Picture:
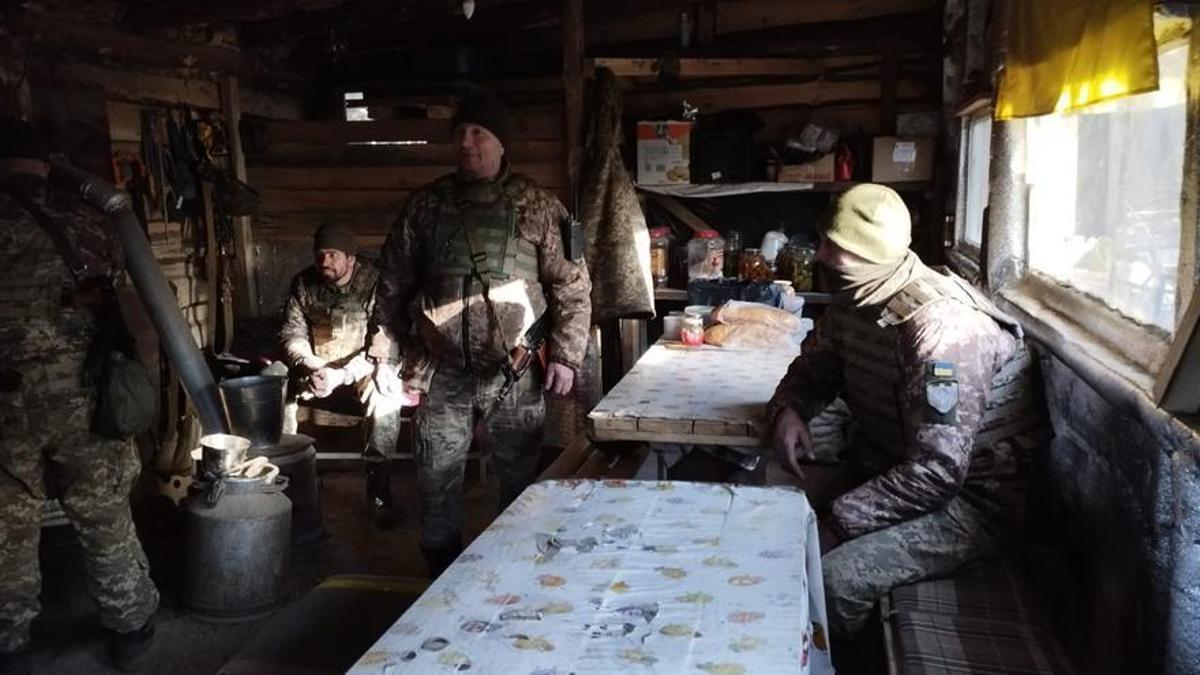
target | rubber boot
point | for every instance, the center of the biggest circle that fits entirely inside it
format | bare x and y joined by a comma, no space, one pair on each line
379,494
438,559
128,650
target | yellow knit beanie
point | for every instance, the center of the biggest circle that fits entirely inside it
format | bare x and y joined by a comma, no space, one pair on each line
871,221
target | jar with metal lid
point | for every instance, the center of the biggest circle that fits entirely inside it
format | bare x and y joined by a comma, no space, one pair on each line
753,267
691,333
660,243
796,265
706,255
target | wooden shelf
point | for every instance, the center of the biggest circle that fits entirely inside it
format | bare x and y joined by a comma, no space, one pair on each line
671,294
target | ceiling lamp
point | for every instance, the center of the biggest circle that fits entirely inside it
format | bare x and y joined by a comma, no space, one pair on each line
468,8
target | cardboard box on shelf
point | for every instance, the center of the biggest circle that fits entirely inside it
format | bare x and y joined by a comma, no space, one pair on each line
818,171
664,153
897,160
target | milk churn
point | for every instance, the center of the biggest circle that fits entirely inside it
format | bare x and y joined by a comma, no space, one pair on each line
237,546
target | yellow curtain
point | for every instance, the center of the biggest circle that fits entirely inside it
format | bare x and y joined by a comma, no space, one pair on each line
1066,54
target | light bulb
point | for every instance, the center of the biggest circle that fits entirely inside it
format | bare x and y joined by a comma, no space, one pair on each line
468,8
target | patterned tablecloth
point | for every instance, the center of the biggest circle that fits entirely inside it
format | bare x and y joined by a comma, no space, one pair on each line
625,577
675,394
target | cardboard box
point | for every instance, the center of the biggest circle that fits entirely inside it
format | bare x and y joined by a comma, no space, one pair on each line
819,171
664,153
896,159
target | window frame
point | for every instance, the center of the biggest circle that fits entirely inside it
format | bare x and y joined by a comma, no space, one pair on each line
965,257
1139,352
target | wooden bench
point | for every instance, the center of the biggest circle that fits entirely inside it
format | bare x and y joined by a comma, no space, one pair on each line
980,621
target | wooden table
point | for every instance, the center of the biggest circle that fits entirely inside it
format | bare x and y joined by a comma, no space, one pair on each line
708,395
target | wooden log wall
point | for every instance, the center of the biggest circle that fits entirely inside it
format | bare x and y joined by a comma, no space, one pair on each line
362,173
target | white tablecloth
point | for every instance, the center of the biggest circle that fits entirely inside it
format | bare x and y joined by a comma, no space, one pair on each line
625,577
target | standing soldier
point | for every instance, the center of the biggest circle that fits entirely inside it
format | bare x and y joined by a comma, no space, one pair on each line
323,334
47,450
473,260
940,387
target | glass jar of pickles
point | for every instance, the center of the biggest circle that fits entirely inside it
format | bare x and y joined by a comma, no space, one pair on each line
795,264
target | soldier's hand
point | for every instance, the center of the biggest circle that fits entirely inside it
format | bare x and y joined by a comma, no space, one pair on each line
792,441
324,380
559,378
387,380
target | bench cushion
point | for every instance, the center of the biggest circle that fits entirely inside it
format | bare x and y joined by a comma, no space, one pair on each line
990,592
941,644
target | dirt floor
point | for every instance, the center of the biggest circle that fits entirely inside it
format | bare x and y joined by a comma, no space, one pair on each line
67,638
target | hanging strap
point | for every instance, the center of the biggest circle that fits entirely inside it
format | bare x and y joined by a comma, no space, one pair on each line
53,229
479,259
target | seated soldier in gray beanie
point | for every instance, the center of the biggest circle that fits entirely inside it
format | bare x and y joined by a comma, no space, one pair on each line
323,335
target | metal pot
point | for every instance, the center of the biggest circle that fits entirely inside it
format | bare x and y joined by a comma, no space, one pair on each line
254,406
219,453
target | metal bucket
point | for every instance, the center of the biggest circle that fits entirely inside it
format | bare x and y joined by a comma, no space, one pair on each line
221,452
254,407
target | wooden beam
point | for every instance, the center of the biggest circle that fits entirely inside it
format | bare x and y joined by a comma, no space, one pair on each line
889,77
296,154
159,90
189,60
246,281
815,93
572,74
388,178
682,212
706,22
527,125
740,16
1177,387
732,67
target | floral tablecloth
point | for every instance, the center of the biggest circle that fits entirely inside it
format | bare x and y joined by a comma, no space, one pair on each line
625,576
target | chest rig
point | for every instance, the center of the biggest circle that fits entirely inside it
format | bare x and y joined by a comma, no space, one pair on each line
873,374
338,316
476,235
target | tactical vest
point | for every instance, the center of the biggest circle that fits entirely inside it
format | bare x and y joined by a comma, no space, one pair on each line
874,379
476,230
337,317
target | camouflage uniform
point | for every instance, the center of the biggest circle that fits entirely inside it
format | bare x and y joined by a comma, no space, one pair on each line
326,325
939,384
46,448
430,314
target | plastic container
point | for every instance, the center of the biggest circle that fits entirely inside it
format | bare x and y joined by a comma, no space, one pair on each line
706,255
660,259
672,326
772,243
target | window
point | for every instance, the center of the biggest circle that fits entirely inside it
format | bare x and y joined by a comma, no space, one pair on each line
974,157
1104,196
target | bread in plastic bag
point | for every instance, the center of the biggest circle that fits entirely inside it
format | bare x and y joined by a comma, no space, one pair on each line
751,336
737,312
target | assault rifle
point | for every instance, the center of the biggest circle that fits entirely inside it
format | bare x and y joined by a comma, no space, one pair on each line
521,356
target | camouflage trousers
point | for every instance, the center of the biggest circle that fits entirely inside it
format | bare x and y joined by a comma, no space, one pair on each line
48,452
444,426
383,412
861,571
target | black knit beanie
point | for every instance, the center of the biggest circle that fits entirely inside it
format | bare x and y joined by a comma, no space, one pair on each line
21,140
487,112
337,237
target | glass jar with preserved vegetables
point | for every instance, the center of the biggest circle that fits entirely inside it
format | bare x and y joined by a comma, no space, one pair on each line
706,255
660,243
795,264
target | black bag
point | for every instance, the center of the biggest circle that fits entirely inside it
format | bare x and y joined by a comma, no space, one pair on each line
126,398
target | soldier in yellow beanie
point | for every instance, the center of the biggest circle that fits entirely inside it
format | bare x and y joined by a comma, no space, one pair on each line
917,355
